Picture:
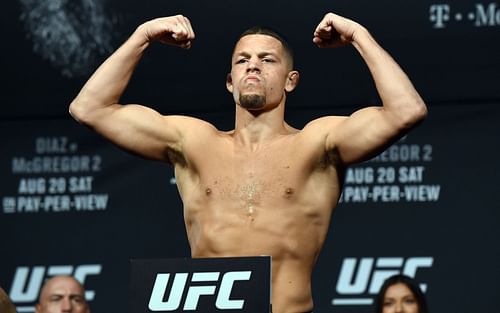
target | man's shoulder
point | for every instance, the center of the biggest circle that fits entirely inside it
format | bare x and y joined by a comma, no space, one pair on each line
325,120
322,124
191,124
198,131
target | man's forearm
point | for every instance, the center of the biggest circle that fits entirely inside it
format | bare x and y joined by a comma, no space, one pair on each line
395,89
109,81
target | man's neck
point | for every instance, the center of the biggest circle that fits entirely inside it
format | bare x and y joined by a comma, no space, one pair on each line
254,128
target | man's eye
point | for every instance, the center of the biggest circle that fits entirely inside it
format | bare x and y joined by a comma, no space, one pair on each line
241,61
267,60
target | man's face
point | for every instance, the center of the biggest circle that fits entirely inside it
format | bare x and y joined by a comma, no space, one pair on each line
260,73
62,294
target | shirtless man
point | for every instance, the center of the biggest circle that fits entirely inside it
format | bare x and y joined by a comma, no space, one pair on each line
263,188
62,294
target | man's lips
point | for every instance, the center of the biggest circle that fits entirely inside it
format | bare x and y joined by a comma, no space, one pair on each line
252,78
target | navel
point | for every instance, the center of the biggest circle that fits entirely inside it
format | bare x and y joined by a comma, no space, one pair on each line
289,192
208,191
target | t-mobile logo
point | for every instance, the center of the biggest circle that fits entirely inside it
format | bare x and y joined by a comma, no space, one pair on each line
439,14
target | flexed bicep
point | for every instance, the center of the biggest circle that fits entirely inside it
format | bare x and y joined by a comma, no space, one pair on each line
133,127
364,134
139,129
369,131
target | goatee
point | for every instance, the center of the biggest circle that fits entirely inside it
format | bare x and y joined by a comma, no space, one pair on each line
252,101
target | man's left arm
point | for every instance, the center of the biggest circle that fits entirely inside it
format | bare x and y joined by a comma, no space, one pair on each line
369,131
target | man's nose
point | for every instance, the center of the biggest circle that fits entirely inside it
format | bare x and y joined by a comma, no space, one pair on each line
66,305
253,65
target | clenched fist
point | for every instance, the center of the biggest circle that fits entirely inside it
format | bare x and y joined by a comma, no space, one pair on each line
173,30
335,31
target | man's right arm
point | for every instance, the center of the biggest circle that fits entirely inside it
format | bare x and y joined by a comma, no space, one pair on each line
136,128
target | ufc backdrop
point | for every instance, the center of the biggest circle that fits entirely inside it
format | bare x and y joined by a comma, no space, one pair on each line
73,203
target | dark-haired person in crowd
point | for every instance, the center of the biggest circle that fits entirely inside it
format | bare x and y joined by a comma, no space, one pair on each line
400,294
263,188
62,294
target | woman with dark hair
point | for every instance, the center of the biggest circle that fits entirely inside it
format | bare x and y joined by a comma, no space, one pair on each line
400,294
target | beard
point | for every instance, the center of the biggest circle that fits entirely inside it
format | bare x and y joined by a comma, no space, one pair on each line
250,102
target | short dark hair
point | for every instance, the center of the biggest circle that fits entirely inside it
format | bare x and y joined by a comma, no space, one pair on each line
408,282
267,31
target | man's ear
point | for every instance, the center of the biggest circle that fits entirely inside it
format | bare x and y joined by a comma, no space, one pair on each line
229,83
292,81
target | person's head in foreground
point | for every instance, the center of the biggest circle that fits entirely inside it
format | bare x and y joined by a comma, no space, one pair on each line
400,294
62,294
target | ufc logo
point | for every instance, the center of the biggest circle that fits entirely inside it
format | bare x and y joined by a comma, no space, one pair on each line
355,276
27,283
194,292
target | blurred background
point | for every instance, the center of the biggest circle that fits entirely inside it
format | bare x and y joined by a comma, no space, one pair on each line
72,203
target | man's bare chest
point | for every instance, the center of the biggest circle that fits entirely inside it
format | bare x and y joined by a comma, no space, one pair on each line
270,173
262,183
253,173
